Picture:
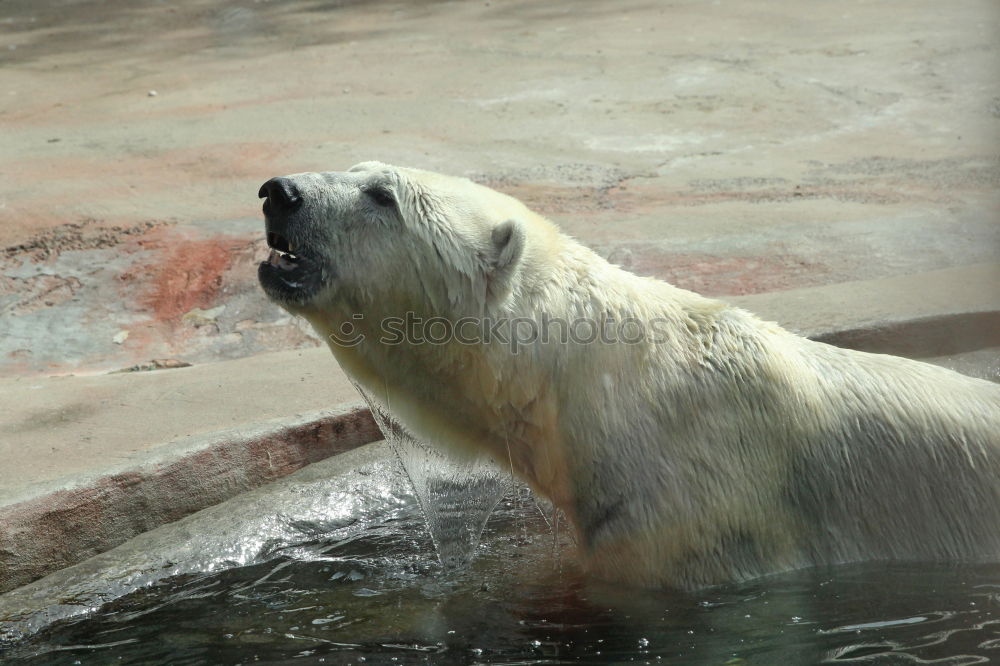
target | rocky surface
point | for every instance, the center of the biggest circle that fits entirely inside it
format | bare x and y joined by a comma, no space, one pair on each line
732,148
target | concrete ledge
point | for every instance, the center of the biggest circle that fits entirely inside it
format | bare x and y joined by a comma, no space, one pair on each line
89,462
333,494
926,337
61,526
937,313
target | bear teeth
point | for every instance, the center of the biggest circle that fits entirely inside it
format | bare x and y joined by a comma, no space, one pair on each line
283,260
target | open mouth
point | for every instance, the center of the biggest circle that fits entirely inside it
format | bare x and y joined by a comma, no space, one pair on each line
289,276
281,256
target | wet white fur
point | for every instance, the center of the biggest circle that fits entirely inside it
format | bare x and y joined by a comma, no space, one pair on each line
732,449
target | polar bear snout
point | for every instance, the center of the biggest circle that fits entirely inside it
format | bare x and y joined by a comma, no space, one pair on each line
293,272
281,196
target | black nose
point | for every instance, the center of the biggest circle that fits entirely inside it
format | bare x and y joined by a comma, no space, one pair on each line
281,194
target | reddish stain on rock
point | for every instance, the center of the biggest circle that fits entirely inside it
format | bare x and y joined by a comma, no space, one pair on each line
187,275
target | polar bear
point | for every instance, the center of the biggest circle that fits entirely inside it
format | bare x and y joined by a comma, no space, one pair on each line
704,446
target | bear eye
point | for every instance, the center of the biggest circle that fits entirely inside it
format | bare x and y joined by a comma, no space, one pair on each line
380,194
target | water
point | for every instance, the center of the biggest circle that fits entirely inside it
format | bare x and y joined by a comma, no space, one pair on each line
457,495
372,592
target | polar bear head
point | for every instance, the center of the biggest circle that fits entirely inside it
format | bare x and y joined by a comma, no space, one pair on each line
387,237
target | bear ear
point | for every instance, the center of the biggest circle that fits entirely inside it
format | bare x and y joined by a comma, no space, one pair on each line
371,165
507,246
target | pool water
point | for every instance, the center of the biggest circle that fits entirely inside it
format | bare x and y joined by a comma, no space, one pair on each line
373,593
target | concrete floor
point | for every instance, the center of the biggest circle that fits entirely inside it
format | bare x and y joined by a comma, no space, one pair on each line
838,162
730,147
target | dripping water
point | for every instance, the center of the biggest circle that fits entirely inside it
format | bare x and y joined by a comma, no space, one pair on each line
456,496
